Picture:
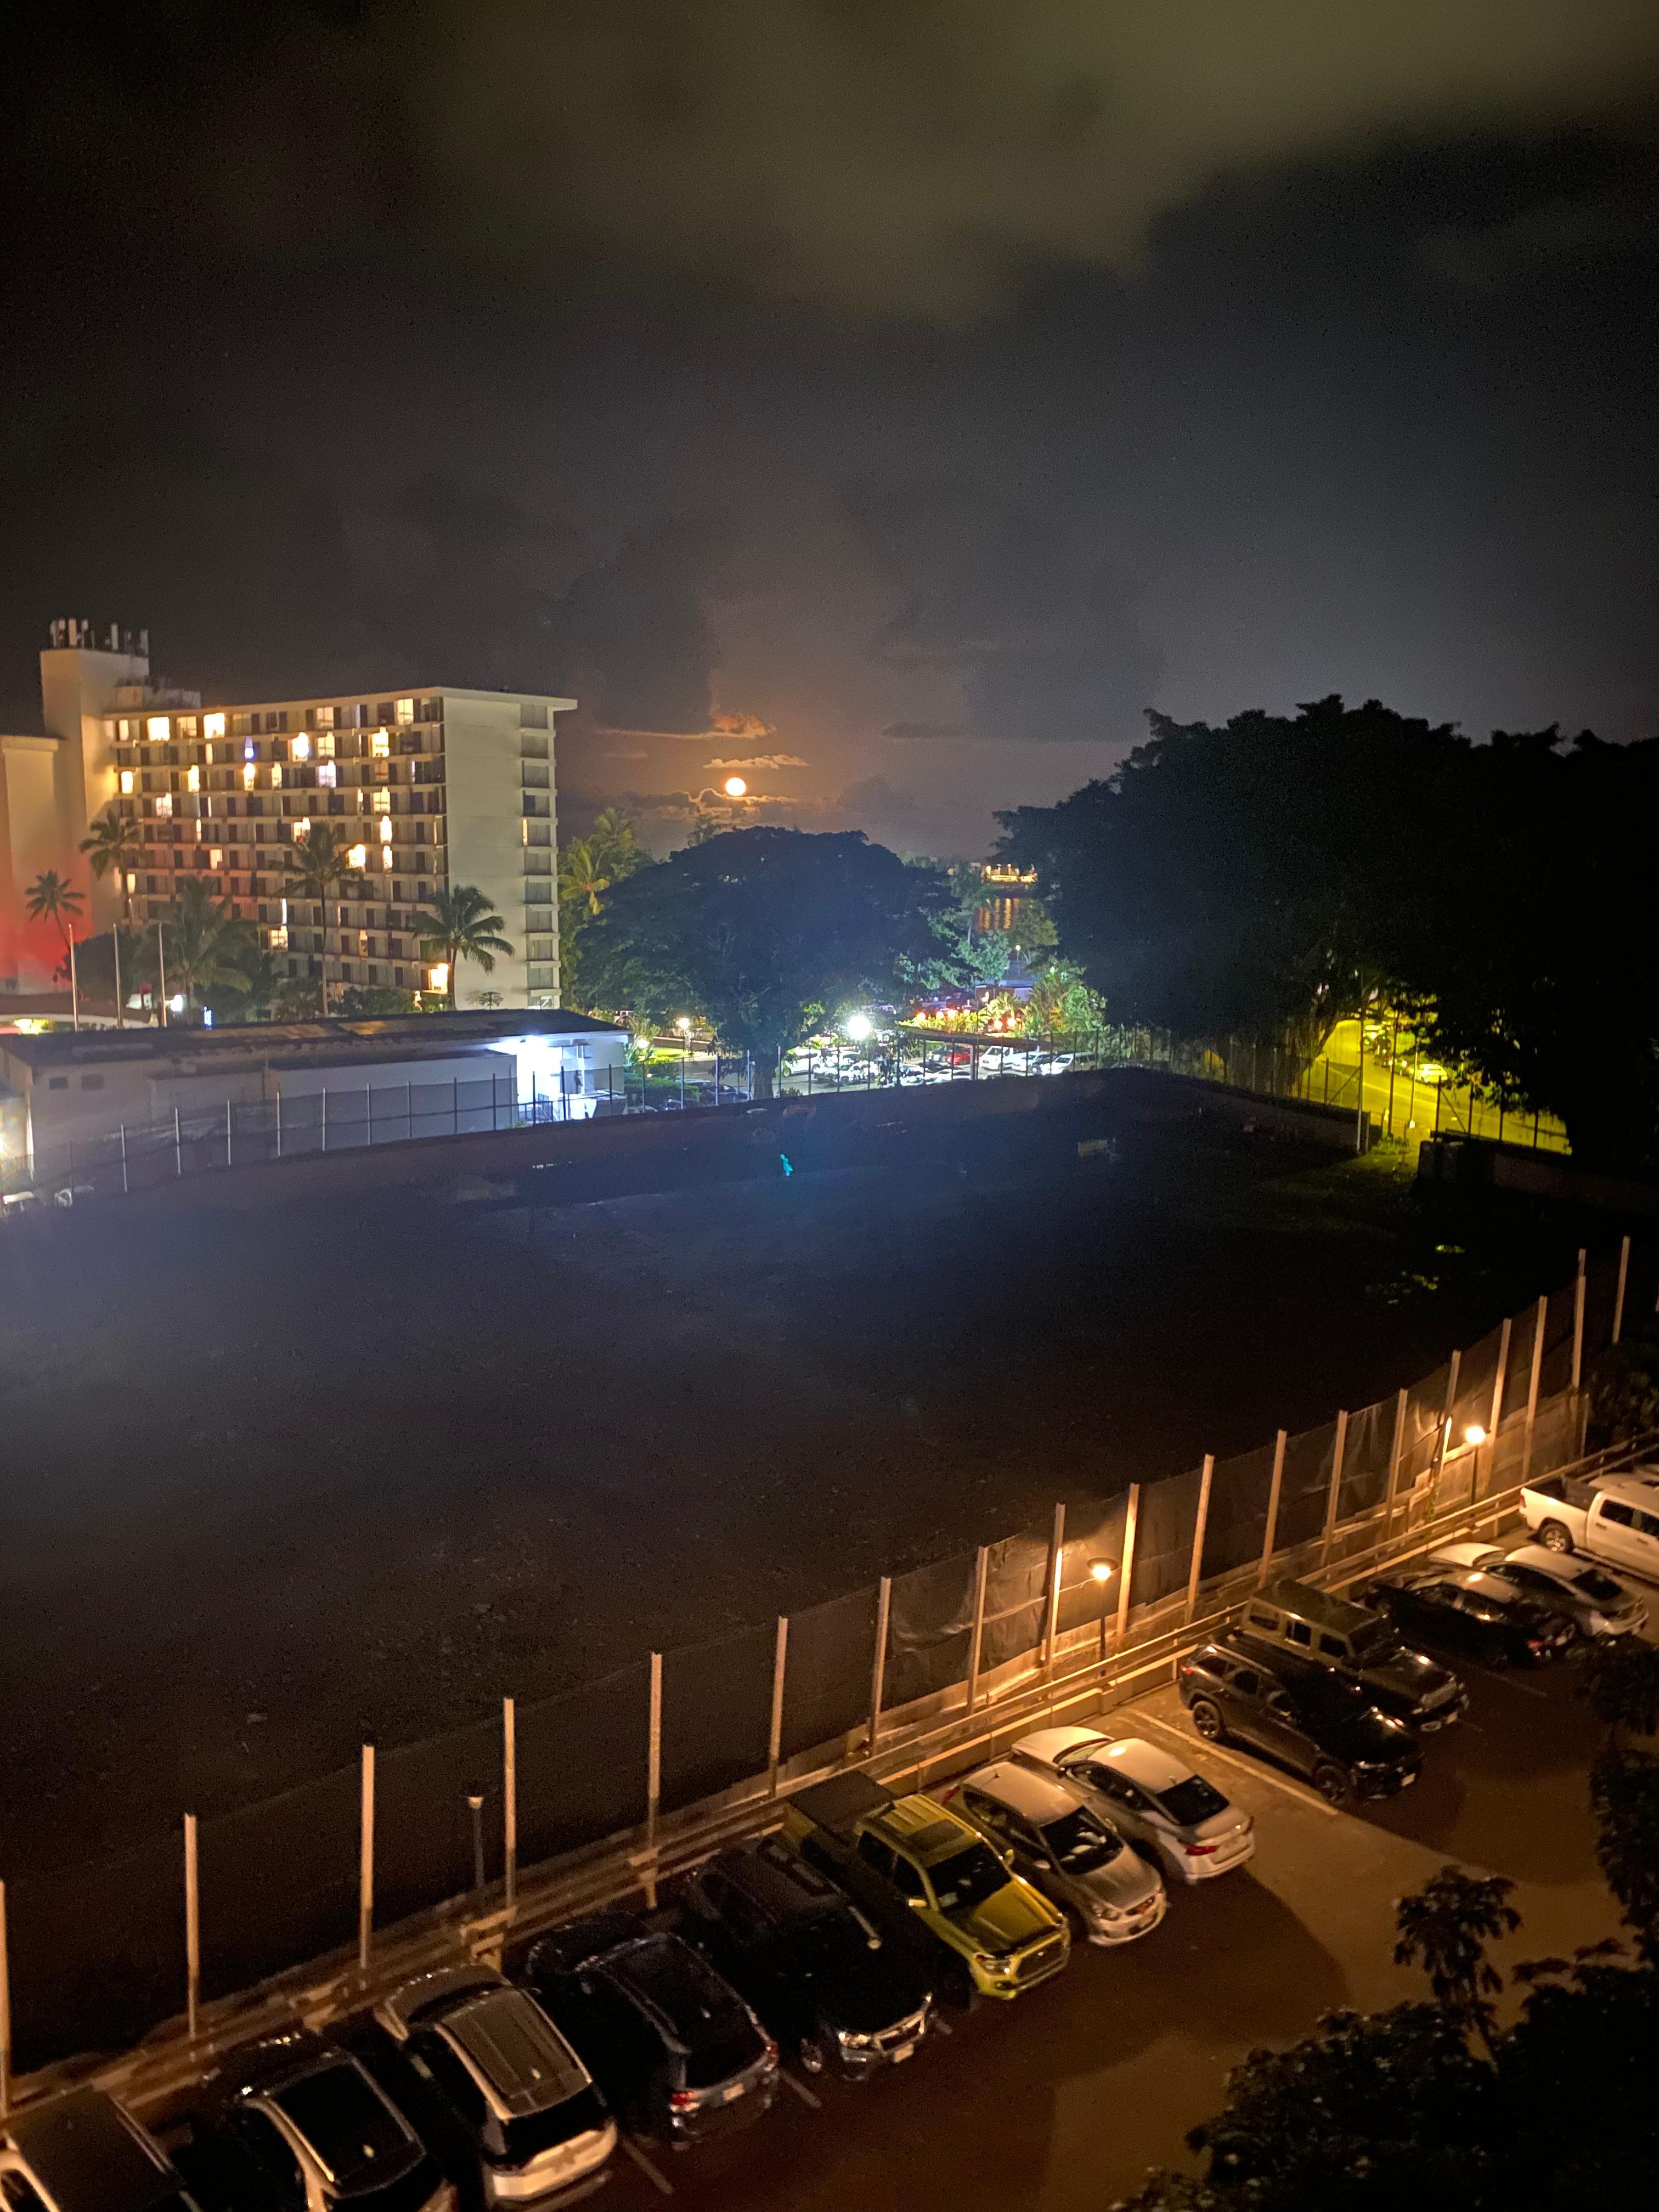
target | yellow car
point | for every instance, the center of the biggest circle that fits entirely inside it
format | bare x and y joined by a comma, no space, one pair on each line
917,1858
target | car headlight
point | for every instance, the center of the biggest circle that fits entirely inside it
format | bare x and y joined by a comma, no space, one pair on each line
999,1962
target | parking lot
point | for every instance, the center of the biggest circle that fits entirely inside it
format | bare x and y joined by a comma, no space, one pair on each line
1063,2099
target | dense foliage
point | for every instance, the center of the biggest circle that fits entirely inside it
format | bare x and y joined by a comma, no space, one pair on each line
1265,878
1447,2105
763,933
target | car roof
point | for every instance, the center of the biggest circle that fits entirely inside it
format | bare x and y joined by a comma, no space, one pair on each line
1034,1796
1463,1555
677,1985
1322,1608
1640,1486
90,2155
778,1880
514,2052
1049,1743
1145,1763
1567,1568
923,1828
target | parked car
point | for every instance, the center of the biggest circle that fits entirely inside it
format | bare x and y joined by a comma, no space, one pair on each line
296,2124
823,1979
1473,1612
507,2095
1334,1631
677,2051
1165,1808
1318,1723
1063,1847
1596,1602
931,1876
1612,1517
81,2152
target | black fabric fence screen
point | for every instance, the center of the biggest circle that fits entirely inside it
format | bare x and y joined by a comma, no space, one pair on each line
1558,1343
97,1953
1016,1588
424,1850
1237,1524
1165,1525
581,1761
928,1626
1365,1455
716,1714
826,1684
279,1881
1094,1530
1305,1487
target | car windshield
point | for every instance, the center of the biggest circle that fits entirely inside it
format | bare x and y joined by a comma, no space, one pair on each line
1327,1698
1078,1843
352,2130
523,2140
1191,1800
722,2056
1375,1644
1592,1583
968,1879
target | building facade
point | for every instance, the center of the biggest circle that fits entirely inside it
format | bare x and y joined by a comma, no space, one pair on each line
433,787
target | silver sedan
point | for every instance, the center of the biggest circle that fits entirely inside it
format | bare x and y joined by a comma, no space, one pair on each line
1053,1840
1166,1809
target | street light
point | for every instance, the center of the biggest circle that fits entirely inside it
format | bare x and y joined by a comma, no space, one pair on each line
684,1025
858,1027
1475,1434
1101,1572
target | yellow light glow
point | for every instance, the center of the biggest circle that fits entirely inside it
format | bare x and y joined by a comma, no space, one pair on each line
734,786
127,783
193,779
1101,1571
327,774
380,801
437,976
216,856
357,857
302,830
385,829
279,937
277,775
213,726
385,857
1475,1434
248,775
302,747
380,745
157,729
164,803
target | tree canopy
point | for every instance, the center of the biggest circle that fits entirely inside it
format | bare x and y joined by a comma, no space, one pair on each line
764,931
1267,876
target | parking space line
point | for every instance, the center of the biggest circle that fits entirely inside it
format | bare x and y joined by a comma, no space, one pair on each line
657,2179
941,2026
1208,1750
801,2090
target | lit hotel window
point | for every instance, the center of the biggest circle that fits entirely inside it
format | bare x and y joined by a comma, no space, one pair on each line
277,775
357,857
213,726
327,774
302,747
386,856
248,775
382,801
193,779
164,803
405,713
380,744
302,828
386,830
216,857
127,783
156,729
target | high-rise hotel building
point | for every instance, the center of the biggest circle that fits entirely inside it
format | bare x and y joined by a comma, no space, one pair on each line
433,787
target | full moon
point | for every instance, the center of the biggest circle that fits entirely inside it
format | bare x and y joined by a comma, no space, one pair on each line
734,786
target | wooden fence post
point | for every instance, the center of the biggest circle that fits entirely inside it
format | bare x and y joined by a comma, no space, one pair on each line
976,1640
878,1664
1196,1571
1127,1570
1273,1489
366,1860
1334,1495
1056,1553
774,1736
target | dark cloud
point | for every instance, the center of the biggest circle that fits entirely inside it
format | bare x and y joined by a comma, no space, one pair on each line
1032,626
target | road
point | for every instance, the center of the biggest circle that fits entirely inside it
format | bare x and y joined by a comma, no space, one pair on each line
1061,2101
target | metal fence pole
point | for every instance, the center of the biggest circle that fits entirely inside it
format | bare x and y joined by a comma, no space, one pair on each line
1273,1489
976,1640
1051,1613
1578,1323
369,1113
653,1779
192,1931
124,1158
1395,1450
510,1801
5,2011
366,1862
454,1105
1127,1570
1618,1295
1196,1571
774,1737
228,1162
324,1143
279,1122
177,1145
1532,1388
1334,1495
878,1664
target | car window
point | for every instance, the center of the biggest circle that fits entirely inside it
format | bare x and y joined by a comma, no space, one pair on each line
1078,1843
908,1878
451,2077
1524,1578
1332,1647
1592,1583
1624,1516
967,1878
1262,1616
15,2192
985,1808
1107,1779
1647,1524
1193,1800
1298,1632
1206,1662
1246,1683
876,1854
1280,1706
264,2138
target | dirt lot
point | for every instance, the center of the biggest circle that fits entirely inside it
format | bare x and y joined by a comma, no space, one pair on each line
275,1482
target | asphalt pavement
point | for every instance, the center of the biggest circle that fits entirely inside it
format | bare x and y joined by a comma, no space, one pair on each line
1062,2099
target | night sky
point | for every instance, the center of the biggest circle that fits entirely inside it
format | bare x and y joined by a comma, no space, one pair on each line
897,396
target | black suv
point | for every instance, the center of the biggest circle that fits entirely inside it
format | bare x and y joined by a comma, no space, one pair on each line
1334,1631
677,2051
823,1978
1306,1716
1479,1614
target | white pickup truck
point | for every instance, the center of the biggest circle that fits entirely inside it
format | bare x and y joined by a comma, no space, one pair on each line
1613,1517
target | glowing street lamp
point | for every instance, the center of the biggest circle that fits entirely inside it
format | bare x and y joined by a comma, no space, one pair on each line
684,1025
859,1027
1100,1573
1475,1434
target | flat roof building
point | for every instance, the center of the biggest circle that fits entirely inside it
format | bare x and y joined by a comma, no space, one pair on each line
436,785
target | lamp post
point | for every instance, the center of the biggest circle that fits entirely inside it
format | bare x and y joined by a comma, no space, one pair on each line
684,1025
1100,1573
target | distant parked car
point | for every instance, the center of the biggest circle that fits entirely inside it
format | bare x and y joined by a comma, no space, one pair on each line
1611,1517
677,2052
1163,1808
81,2152
823,1979
1317,1723
1063,1847
1473,1612
1334,1631
507,2095
1596,1602
298,2125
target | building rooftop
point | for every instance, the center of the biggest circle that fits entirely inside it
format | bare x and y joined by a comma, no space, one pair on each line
279,1044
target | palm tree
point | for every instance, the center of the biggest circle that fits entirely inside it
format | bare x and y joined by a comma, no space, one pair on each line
460,925
52,898
316,867
115,841
206,947
582,874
